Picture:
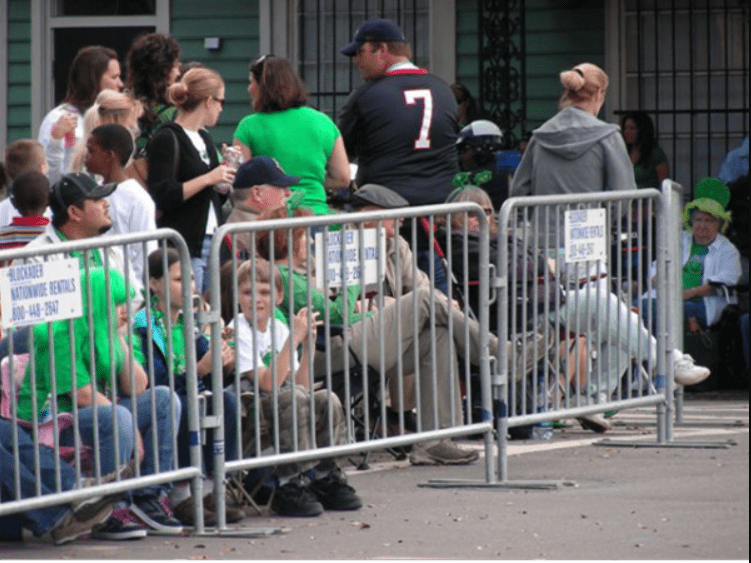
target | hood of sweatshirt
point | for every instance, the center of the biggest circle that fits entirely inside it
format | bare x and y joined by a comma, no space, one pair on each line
572,132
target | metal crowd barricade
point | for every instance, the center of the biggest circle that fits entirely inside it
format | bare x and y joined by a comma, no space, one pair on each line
78,335
590,351
362,360
672,194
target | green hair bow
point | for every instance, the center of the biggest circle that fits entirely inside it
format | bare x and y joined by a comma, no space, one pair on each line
294,202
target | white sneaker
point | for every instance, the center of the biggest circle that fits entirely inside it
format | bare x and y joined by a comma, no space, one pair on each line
686,371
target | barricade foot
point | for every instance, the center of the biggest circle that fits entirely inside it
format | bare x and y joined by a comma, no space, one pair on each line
468,484
722,445
241,532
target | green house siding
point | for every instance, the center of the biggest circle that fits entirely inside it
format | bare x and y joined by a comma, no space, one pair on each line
237,25
19,70
556,38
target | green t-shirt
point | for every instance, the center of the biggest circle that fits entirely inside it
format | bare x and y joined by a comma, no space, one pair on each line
318,300
70,377
301,140
159,326
646,174
694,266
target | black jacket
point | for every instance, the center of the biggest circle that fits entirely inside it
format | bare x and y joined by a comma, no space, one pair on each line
165,182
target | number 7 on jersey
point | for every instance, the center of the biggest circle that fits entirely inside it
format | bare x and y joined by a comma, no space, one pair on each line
411,97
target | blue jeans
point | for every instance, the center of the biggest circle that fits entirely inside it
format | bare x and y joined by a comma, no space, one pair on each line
695,308
423,262
161,428
230,434
200,265
106,434
691,308
38,520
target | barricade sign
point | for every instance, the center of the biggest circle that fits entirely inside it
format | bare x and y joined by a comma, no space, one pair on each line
586,235
42,292
349,259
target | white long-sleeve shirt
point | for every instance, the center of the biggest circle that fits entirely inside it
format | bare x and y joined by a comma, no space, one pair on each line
59,157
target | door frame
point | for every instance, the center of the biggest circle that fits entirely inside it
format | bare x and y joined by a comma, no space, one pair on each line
43,24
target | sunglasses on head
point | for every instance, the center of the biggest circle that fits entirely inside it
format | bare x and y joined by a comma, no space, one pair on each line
256,66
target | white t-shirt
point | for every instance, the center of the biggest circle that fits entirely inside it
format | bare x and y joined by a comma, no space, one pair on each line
133,211
255,348
197,140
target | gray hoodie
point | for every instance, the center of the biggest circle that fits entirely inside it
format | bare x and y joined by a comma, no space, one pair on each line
574,152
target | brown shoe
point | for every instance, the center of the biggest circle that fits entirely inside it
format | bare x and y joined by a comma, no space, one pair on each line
184,513
233,512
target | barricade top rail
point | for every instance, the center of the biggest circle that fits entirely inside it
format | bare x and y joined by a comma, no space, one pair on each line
353,217
103,241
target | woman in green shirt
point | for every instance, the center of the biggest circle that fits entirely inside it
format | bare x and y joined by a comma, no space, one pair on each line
304,141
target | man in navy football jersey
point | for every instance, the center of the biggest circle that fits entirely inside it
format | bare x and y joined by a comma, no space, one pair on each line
400,125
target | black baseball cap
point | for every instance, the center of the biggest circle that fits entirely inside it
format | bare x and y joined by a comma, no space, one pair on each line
373,194
72,188
262,170
373,30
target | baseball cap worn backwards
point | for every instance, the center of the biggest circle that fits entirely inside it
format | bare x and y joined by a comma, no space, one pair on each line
373,30
74,187
262,170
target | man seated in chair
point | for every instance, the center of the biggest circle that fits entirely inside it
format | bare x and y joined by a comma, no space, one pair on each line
268,362
423,343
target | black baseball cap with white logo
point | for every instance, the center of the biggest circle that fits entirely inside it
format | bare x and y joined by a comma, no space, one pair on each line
74,187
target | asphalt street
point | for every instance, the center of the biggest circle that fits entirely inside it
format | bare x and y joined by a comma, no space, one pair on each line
613,502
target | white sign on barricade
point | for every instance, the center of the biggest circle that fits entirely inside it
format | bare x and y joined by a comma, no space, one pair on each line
353,263
585,235
42,292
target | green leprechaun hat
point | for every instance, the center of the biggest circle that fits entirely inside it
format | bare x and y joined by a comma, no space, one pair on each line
711,196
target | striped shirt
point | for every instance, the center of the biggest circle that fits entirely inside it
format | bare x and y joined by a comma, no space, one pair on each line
21,231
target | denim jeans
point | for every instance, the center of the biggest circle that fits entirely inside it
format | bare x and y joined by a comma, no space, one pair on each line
691,308
423,262
106,432
200,265
161,428
230,434
38,520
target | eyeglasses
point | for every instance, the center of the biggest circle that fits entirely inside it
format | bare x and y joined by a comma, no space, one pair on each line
220,100
256,67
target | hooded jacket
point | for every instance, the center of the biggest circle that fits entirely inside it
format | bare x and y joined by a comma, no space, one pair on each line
574,152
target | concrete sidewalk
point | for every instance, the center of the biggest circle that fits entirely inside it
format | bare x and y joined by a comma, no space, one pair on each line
622,503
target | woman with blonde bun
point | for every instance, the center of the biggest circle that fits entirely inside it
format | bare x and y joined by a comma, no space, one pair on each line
184,165
573,151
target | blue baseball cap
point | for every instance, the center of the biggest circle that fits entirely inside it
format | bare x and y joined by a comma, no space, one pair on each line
373,30
262,170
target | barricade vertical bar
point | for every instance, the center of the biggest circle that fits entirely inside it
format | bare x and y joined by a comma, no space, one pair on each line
484,318
674,191
663,379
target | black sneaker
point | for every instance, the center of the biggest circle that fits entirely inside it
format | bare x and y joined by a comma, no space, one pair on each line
114,528
152,513
294,499
334,493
